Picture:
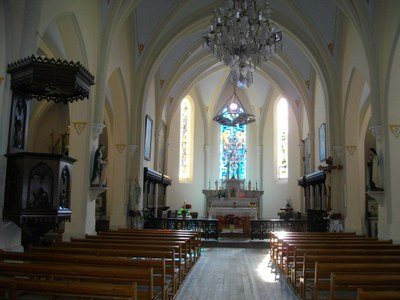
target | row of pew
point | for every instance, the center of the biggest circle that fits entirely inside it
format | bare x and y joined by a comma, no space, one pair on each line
119,264
337,265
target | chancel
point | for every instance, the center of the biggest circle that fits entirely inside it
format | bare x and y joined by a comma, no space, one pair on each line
233,198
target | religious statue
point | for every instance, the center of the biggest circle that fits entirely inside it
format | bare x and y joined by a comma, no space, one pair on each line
373,170
99,168
249,186
216,184
328,169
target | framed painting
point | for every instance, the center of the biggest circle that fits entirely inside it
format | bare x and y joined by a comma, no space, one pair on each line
147,137
322,142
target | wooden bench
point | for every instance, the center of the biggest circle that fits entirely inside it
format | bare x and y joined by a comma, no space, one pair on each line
160,283
194,237
13,286
182,258
308,266
192,244
281,247
286,257
344,282
323,271
183,254
363,294
169,256
186,243
51,271
181,262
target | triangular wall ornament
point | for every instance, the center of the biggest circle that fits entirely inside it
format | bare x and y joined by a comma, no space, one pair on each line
120,147
79,126
351,149
395,129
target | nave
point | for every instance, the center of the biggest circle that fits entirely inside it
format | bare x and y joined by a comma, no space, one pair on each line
234,274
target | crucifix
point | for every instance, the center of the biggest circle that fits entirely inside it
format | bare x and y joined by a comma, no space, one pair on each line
328,169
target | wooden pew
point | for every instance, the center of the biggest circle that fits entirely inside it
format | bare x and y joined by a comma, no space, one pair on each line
194,241
169,256
308,269
192,245
182,250
322,273
363,294
280,245
160,283
186,242
14,286
309,261
116,275
347,281
286,256
180,257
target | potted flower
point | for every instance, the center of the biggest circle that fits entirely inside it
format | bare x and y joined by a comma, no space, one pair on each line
184,211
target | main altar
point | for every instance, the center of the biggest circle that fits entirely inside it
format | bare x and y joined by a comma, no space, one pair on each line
233,199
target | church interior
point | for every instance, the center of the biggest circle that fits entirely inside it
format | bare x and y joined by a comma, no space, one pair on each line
114,115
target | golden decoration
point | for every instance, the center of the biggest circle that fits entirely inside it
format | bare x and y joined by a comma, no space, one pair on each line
79,126
162,83
395,129
351,149
120,147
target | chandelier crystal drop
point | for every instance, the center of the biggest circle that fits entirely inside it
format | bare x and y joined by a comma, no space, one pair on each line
241,36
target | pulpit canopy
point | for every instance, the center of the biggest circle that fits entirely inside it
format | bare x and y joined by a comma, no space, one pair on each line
50,79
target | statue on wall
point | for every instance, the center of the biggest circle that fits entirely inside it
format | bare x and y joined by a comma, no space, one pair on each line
99,174
373,170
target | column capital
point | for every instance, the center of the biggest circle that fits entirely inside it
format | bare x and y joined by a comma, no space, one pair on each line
376,131
97,129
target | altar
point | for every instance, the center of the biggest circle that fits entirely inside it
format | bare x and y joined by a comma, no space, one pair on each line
237,207
233,199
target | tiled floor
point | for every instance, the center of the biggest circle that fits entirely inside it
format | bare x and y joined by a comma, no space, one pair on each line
234,274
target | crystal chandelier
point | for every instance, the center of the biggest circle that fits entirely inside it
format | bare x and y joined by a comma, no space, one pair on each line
241,35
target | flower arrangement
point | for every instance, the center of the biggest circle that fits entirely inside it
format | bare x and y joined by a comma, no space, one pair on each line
185,209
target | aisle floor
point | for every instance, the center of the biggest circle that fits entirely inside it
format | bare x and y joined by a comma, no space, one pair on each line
235,274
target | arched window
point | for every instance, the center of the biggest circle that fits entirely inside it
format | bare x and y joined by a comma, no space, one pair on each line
186,141
233,152
282,126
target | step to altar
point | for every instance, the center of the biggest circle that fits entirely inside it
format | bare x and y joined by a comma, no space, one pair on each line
235,238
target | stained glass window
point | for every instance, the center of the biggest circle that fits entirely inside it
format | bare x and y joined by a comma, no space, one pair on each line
186,148
233,152
282,139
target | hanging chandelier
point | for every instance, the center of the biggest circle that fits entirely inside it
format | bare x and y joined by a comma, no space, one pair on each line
233,112
241,36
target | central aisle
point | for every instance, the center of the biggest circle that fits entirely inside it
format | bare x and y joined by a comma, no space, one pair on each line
234,274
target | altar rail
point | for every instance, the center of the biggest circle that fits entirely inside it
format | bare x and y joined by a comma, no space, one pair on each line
260,229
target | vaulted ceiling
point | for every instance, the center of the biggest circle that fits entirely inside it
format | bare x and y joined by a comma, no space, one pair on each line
174,31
